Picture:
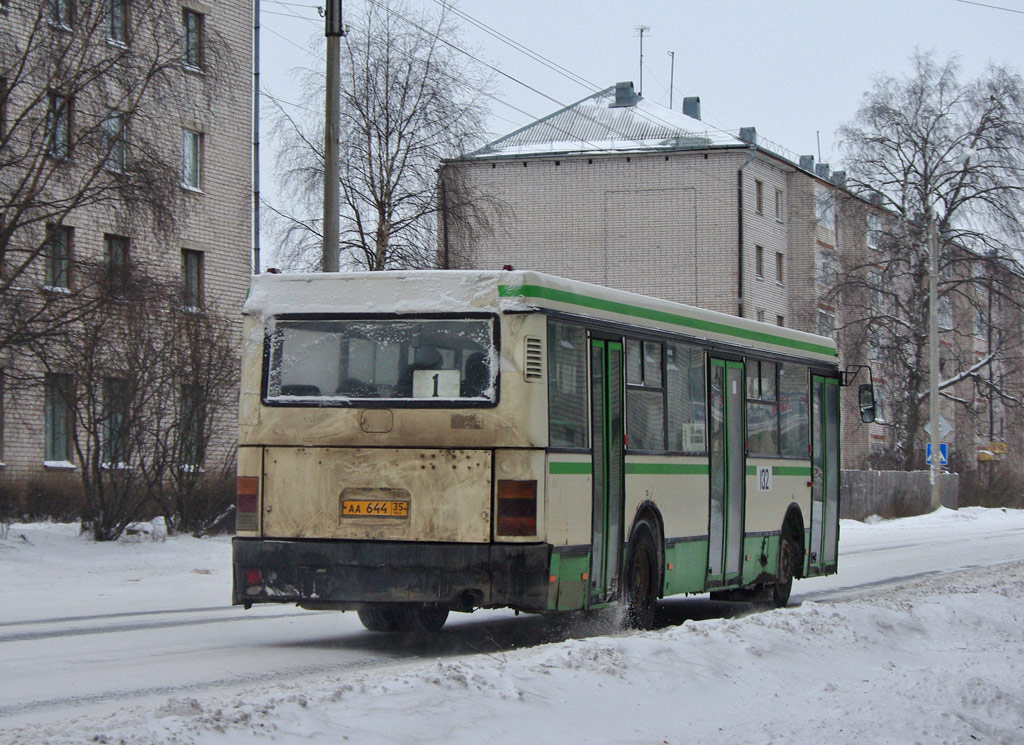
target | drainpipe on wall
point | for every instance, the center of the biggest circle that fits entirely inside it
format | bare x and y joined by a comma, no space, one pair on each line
748,135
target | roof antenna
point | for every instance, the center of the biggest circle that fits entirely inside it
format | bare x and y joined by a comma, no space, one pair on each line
642,30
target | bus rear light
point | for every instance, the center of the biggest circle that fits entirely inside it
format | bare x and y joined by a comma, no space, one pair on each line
247,505
252,577
517,508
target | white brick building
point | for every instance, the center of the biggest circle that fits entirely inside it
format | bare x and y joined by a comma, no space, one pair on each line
197,121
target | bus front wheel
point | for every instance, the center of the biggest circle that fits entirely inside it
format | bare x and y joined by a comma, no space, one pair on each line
641,578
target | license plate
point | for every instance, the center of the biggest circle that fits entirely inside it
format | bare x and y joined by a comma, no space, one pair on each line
374,508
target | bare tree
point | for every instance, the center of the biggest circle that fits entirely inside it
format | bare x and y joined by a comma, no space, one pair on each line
145,383
85,90
931,143
409,100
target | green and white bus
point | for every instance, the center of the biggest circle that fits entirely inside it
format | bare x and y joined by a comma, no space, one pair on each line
413,443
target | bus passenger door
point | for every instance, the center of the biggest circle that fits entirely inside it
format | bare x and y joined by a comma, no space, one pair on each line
824,544
608,458
728,471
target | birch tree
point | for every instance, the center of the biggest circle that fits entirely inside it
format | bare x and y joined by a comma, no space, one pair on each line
933,144
409,98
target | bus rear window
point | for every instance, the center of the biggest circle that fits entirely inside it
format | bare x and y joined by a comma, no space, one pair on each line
319,361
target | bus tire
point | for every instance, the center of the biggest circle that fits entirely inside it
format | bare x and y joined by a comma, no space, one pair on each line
641,578
789,554
379,618
422,618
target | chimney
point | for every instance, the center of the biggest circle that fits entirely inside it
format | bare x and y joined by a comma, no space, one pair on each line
749,135
839,178
691,106
822,171
625,95
875,198
807,163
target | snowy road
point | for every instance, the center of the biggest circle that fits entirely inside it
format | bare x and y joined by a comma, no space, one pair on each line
87,629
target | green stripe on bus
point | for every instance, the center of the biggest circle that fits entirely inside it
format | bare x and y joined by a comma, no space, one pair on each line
791,470
685,469
783,471
611,306
562,468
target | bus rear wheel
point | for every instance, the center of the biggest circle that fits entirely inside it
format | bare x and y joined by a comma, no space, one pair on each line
789,553
641,580
407,618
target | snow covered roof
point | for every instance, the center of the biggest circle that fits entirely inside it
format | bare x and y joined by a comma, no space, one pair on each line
410,292
596,124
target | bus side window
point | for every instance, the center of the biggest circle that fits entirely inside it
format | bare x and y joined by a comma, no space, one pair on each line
567,385
684,386
793,410
645,396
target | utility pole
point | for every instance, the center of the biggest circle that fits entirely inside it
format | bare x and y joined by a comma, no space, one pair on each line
333,30
642,29
671,77
933,357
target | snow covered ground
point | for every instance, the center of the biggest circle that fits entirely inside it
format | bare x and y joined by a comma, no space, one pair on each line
919,639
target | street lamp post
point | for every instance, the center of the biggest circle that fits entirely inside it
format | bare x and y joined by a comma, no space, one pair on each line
333,30
933,358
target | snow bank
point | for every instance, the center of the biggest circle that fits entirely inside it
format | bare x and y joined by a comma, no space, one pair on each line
938,660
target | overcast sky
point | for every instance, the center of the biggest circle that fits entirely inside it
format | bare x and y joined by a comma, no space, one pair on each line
791,68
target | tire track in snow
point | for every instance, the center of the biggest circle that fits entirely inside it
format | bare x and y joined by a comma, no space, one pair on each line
141,626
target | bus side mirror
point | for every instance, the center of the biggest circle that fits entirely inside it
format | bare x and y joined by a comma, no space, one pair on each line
866,394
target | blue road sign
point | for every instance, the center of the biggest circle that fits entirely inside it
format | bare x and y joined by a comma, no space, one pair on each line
943,453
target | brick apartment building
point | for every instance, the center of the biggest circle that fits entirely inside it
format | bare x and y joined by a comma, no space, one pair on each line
79,113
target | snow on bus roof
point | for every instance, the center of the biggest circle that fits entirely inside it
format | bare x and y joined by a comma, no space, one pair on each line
447,291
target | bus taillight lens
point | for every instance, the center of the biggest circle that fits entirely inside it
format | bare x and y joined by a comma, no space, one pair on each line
247,506
517,508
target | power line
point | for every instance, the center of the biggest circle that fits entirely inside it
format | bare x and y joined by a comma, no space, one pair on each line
993,7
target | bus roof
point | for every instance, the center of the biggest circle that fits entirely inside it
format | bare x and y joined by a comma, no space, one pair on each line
410,292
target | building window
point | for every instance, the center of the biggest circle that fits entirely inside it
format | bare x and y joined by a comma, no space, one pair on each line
874,234
825,265
59,12
58,126
875,345
759,261
115,248
193,448
1,414
824,208
4,92
826,323
780,262
115,423
780,320
58,256
759,196
114,142
191,159
875,289
192,279
57,403
980,325
192,38
945,312
117,21
760,316
778,205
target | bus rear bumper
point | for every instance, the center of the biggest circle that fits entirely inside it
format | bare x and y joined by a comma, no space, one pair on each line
350,575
